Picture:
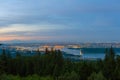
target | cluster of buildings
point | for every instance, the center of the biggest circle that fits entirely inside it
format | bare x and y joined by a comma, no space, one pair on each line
73,46
41,48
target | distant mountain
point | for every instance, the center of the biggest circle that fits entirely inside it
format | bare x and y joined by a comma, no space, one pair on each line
12,41
21,41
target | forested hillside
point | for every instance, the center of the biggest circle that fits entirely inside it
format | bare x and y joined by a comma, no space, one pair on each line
52,66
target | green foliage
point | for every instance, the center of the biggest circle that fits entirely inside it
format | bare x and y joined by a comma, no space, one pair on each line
30,77
109,64
69,76
117,69
9,77
52,66
33,77
96,76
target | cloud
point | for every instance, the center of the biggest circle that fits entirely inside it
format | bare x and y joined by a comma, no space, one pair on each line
38,31
54,12
58,18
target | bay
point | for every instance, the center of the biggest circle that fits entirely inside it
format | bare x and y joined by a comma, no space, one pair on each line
90,53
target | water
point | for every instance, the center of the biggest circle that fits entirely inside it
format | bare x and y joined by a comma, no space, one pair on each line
90,53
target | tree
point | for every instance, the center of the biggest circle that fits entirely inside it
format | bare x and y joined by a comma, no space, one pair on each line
96,76
4,55
4,61
38,53
69,76
18,55
46,51
85,69
109,64
117,69
74,76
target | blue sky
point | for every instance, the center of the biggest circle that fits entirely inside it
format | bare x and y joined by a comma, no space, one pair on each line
60,20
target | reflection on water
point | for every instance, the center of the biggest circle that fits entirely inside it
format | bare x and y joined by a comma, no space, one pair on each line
87,53
90,53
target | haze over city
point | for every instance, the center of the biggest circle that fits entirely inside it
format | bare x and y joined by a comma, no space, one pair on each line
60,20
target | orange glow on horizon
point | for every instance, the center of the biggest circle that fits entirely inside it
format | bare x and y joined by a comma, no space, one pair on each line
8,38
12,38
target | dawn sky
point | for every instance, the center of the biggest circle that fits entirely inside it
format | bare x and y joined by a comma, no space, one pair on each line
60,20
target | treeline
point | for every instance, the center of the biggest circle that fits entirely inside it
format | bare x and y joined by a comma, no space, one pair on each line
52,66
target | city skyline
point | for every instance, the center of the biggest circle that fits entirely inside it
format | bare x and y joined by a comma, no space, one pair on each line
60,20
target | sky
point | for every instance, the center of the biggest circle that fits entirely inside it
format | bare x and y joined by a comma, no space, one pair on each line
60,20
